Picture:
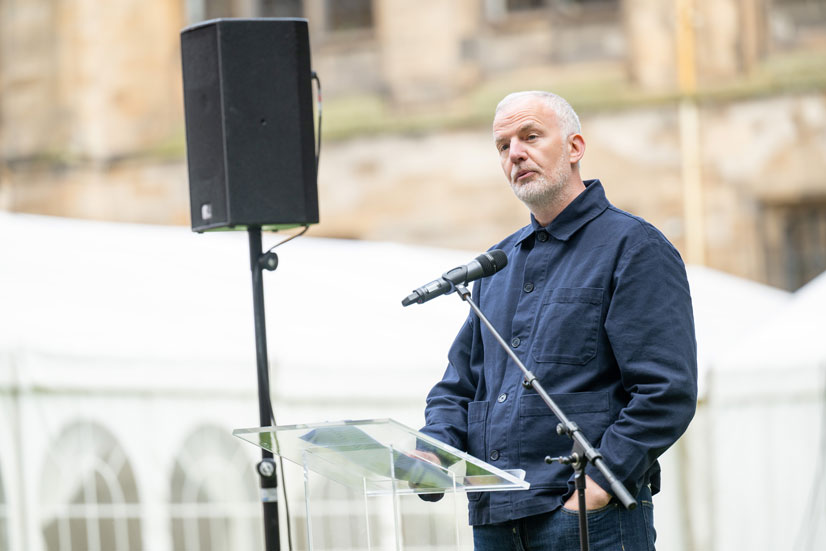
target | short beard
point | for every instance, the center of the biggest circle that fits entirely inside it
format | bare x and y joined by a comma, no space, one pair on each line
543,190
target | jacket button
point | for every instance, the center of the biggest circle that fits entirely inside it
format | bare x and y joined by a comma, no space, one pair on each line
502,397
515,342
542,236
494,455
528,287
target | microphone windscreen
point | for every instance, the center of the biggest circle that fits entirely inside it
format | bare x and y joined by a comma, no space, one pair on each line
499,260
485,261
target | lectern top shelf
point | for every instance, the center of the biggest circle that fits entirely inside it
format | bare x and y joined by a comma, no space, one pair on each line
374,455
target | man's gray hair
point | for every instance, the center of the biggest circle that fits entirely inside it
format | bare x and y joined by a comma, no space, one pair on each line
565,114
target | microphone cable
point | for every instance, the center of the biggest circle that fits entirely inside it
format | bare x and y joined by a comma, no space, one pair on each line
269,397
283,485
314,76
290,238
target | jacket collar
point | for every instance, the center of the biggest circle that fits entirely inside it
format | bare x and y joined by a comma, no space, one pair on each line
585,207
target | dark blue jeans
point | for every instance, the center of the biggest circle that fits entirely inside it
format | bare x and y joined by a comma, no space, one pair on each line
611,528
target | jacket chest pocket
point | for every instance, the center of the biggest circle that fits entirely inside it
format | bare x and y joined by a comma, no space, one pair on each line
567,326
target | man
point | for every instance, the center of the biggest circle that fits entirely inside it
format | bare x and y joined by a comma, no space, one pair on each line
596,303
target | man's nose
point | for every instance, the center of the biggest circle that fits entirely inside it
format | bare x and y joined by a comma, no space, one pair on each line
516,151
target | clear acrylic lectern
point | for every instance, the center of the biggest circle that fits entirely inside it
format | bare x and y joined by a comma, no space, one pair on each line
372,457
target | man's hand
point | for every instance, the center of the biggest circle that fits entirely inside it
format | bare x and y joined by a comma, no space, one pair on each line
427,456
595,497
431,458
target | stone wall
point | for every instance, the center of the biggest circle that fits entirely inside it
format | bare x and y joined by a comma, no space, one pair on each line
87,79
91,120
446,188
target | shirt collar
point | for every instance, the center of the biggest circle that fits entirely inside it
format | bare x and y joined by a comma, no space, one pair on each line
585,207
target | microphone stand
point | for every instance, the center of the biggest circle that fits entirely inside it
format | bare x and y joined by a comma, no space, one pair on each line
582,451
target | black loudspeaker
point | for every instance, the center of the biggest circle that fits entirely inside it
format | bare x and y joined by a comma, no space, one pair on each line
249,124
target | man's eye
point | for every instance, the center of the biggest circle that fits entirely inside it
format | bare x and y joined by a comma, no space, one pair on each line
503,147
532,136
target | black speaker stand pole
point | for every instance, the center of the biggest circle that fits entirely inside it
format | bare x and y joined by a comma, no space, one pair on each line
266,468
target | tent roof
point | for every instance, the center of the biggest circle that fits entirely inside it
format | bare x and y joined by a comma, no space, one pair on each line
727,310
795,335
95,295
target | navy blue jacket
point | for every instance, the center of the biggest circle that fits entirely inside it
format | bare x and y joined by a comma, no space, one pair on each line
597,306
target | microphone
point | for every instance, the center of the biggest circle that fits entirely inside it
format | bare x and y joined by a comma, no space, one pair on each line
484,265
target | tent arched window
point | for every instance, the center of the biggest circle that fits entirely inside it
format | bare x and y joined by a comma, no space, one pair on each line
89,493
214,497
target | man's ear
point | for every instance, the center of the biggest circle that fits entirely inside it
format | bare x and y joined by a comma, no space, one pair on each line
576,148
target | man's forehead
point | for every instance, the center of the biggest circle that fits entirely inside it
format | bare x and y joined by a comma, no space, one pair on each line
521,114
